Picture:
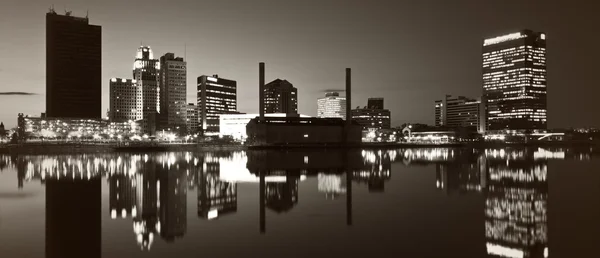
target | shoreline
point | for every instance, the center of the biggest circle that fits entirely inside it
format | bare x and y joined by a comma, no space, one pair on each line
65,148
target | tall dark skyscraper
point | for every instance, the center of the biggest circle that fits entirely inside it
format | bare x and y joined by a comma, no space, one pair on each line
514,81
216,96
281,97
173,87
73,67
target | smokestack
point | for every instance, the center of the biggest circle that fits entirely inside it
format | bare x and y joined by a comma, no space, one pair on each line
261,90
348,96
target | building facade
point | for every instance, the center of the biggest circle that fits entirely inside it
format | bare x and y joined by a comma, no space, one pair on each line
125,100
146,72
234,125
331,106
514,81
173,90
216,96
73,67
280,96
373,116
192,122
460,111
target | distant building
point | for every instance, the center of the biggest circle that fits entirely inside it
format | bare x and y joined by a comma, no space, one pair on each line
173,90
280,97
373,116
514,81
191,121
234,125
375,103
454,112
331,106
146,73
73,67
125,100
216,96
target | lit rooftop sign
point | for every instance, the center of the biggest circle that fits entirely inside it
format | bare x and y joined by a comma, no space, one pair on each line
500,39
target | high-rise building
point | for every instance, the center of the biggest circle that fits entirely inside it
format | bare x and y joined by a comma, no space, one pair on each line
215,96
125,100
146,72
173,89
280,97
73,67
332,105
191,120
514,81
460,112
373,116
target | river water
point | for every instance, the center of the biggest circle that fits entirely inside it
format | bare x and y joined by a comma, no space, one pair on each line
430,202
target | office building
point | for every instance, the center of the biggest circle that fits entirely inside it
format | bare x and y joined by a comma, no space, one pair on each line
460,111
125,100
216,96
280,97
146,73
514,81
331,106
73,67
173,88
373,116
191,121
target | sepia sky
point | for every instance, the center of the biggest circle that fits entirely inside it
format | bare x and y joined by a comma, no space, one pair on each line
409,52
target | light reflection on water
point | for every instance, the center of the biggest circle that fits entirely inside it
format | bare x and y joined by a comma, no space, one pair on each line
151,190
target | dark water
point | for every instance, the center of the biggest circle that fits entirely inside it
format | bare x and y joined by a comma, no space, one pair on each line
399,203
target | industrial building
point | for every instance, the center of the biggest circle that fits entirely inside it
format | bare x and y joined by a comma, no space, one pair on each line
301,131
234,125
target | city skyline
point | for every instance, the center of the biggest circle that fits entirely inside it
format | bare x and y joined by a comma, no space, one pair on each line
238,45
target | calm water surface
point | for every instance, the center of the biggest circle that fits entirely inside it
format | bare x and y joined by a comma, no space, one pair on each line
531,202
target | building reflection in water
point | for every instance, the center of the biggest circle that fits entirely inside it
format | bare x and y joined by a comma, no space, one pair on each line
515,188
151,189
215,197
516,199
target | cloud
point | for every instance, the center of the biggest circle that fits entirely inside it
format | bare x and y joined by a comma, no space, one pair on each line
333,90
13,93
15,195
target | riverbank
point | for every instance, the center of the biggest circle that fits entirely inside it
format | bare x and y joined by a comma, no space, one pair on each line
69,148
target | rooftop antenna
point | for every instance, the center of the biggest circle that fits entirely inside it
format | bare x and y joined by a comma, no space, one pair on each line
184,51
87,13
